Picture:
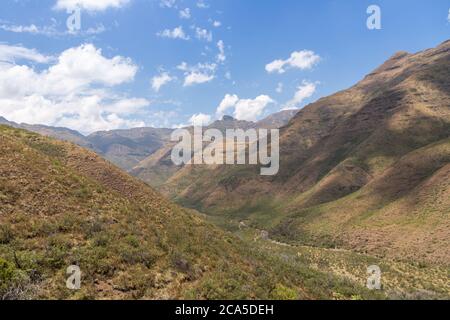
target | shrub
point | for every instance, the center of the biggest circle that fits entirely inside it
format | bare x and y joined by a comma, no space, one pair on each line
283,293
6,234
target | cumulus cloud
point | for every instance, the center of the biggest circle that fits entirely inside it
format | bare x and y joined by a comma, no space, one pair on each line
90,5
302,60
198,74
176,33
200,119
229,101
304,91
74,90
161,80
244,109
197,78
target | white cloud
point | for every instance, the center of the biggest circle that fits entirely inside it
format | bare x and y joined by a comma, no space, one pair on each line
228,102
203,34
244,109
74,91
200,119
176,33
96,30
217,24
303,60
167,3
21,29
202,4
221,57
198,74
279,88
185,13
51,30
161,80
90,5
12,54
304,91
85,65
197,78
251,109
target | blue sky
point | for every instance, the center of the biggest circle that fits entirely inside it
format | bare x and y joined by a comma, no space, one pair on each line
165,63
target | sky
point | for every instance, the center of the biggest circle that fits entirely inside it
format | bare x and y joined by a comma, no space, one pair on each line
95,65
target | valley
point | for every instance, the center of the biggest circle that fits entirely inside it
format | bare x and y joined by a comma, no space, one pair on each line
63,205
364,181
400,279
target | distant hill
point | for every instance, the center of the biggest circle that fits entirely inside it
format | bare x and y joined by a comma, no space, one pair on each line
63,134
366,168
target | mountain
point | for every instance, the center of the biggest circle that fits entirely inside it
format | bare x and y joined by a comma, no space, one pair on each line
60,133
277,120
126,148
62,205
365,169
228,122
158,167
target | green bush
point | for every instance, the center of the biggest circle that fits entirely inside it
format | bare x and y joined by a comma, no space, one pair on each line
7,273
283,293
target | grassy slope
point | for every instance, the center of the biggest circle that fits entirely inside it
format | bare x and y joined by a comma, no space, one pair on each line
62,205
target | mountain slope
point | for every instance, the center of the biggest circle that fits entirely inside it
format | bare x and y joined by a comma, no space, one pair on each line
63,134
126,148
277,120
62,205
334,150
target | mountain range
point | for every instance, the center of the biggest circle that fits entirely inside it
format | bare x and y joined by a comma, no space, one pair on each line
127,148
